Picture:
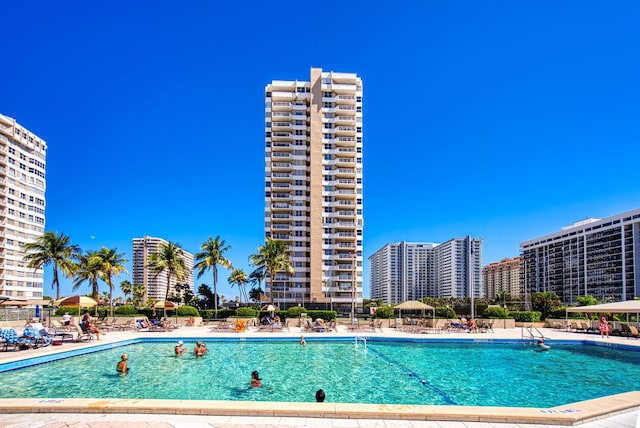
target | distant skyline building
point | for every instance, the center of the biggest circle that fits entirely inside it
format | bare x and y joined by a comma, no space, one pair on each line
592,257
409,271
22,210
402,271
502,277
156,285
313,188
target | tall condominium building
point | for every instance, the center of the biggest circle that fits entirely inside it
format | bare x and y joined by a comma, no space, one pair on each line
155,284
402,271
502,277
313,188
408,271
593,257
22,205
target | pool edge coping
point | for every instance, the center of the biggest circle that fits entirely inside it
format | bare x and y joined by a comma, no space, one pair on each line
567,415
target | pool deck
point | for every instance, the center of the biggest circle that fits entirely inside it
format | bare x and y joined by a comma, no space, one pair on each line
615,411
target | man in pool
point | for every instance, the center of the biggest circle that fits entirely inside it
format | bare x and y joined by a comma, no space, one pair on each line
122,364
180,348
320,395
542,346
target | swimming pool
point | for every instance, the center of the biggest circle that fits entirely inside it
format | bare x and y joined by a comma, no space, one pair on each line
390,372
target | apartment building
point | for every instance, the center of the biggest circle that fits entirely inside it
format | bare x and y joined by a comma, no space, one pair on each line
592,257
409,271
155,284
502,277
402,271
313,188
22,207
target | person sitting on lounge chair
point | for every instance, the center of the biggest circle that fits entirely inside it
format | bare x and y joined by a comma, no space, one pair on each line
87,327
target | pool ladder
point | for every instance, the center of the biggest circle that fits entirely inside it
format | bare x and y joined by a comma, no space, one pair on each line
363,340
531,334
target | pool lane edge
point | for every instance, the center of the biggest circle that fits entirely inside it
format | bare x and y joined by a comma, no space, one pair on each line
568,415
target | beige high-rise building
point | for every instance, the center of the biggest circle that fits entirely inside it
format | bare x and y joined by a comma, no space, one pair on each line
313,188
22,205
156,285
502,277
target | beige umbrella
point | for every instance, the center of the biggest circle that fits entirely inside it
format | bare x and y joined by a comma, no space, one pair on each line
270,308
413,305
167,305
79,301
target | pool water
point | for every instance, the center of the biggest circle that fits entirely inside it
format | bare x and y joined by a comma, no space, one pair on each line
513,375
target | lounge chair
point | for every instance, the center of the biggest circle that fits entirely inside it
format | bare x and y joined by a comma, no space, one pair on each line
630,331
42,335
32,338
59,330
9,339
225,327
125,324
83,335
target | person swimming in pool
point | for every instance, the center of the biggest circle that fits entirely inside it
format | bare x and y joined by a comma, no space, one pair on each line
180,348
542,346
122,364
255,379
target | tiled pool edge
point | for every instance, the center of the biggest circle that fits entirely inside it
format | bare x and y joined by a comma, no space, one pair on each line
568,415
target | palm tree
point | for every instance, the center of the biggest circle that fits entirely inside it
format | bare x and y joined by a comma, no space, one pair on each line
208,297
239,278
89,268
104,297
271,258
126,288
255,279
210,256
112,264
52,248
169,259
138,291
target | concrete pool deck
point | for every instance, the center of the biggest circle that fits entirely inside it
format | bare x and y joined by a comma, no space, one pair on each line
598,411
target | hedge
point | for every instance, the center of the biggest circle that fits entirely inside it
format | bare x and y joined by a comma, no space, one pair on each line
524,316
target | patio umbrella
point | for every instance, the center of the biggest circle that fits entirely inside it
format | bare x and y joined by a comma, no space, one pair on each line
270,308
79,301
167,305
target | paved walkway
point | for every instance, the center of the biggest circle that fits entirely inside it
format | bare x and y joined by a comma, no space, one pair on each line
73,420
623,419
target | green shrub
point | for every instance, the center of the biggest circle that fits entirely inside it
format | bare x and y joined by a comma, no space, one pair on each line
225,313
325,315
246,313
561,312
383,312
295,311
206,313
524,316
187,311
444,312
495,312
125,310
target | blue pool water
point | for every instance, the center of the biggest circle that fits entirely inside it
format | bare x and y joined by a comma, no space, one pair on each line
490,374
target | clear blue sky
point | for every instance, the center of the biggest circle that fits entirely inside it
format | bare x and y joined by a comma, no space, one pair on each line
498,119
